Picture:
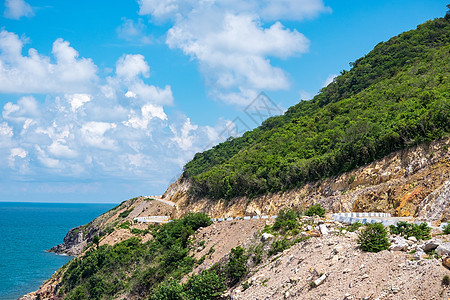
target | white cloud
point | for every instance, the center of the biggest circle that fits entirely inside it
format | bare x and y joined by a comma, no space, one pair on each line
78,100
36,73
117,129
15,155
148,112
131,66
15,9
233,41
267,9
329,79
93,135
25,109
59,150
5,130
183,137
134,32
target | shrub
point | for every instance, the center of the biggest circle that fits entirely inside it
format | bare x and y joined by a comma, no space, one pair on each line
196,220
446,229
446,280
237,266
420,232
286,220
354,226
315,210
125,213
170,290
96,240
125,225
206,285
373,238
279,246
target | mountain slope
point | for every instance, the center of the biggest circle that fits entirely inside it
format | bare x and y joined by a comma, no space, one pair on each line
396,96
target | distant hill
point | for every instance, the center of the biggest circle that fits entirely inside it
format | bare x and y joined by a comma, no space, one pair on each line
396,96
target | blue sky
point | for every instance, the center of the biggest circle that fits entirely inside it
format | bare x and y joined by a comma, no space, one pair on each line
102,101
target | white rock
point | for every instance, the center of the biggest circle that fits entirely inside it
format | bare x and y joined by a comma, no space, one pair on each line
266,236
412,239
398,244
351,234
443,250
320,280
323,229
337,249
419,254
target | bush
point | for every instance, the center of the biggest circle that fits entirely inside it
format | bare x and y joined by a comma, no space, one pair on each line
315,210
170,290
373,238
125,225
237,266
446,280
420,232
125,213
354,226
446,229
286,220
206,285
279,246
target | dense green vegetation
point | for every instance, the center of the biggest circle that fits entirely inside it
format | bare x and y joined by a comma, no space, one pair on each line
373,238
287,220
396,96
131,266
315,210
446,229
419,231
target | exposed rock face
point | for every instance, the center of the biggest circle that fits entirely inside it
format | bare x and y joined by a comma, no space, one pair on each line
410,182
78,238
436,204
72,244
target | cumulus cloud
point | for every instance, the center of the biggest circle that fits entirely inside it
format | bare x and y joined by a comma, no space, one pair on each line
118,129
36,73
15,9
234,41
131,66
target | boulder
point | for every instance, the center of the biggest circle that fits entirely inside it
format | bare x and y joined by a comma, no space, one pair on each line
431,245
446,262
323,229
399,244
412,239
266,236
443,249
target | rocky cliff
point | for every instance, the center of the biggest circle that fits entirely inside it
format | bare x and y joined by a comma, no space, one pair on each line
411,182
78,238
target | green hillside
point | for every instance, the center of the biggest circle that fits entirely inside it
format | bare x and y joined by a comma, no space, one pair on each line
396,96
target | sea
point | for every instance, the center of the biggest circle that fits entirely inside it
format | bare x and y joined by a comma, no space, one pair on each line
26,231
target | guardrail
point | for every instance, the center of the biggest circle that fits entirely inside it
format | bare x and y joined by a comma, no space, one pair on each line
153,219
264,217
367,218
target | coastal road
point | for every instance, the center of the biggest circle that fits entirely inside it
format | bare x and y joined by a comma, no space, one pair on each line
158,198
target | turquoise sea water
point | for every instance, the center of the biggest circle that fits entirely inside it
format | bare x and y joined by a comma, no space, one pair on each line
26,231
